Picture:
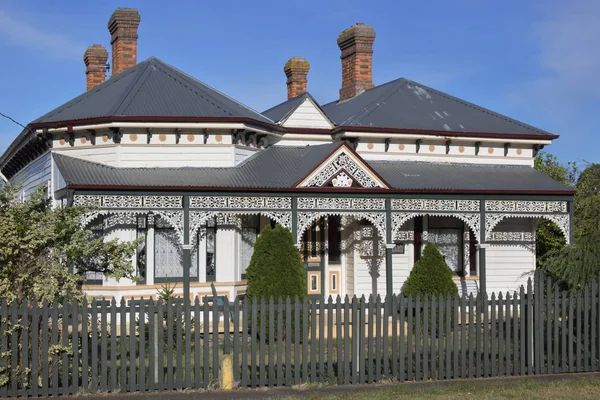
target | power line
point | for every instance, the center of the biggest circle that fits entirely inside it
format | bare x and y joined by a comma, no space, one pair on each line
16,122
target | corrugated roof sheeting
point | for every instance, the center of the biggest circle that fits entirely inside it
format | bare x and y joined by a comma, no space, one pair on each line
151,88
283,167
405,104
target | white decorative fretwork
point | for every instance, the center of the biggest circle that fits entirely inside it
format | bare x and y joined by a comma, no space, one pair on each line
473,220
343,162
163,201
561,220
340,203
306,218
87,200
342,180
511,237
198,218
404,236
435,205
121,201
241,202
525,206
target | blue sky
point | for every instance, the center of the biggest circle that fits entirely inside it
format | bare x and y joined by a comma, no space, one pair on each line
536,61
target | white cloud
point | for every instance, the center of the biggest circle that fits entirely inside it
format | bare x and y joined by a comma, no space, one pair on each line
19,30
569,59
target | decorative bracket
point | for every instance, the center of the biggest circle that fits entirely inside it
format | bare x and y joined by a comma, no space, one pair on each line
117,135
387,144
92,133
177,135
418,144
477,146
448,143
148,135
506,146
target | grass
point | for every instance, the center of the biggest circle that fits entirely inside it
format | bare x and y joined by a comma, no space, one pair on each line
586,388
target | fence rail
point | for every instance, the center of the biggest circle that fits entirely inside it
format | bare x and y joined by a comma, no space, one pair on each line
69,347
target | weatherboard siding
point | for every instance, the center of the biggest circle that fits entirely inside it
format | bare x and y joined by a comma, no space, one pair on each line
240,154
176,156
35,174
307,116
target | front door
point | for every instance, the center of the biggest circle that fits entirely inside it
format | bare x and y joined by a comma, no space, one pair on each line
312,257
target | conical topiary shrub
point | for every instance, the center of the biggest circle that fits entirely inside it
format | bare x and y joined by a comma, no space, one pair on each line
430,276
275,270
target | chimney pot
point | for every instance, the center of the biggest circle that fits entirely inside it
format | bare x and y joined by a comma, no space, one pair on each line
356,44
296,69
95,58
123,25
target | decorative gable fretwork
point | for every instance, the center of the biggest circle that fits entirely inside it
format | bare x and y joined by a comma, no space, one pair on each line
240,202
342,171
525,206
435,205
340,203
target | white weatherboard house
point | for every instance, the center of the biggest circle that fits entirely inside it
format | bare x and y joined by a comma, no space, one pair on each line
362,182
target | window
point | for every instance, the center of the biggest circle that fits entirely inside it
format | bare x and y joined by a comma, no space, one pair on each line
335,239
250,231
211,246
97,228
141,249
314,283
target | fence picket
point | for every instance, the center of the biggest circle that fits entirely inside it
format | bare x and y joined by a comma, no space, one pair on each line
142,346
54,338
410,330
339,342
418,315
178,345
429,337
123,345
401,328
376,376
394,310
187,325
347,322
132,348
289,378
152,370
570,337
35,338
549,318
361,337
593,326
442,332
305,342
198,347
261,338
14,349
452,351
94,337
524,346
113,343
271,381
160,337
74,345
25,332
464,372
313,341
280,342
245,326
206,344
322,341
170,322
330,334
471,339
493,349
578,329
501,353
297,344
478,344
556,320
253,340
385,338
425,339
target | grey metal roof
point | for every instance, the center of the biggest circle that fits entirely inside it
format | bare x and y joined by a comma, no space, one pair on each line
283,167
406,104
151,88
468,177
274,167
282,110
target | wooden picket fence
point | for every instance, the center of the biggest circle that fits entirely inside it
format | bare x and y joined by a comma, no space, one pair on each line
146,346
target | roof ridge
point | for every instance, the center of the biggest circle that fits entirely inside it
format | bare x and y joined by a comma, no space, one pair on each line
387,93
198,82
128,91
480,108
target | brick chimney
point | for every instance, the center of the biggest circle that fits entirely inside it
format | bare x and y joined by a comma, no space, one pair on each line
356,44
296,69
95,58
122,25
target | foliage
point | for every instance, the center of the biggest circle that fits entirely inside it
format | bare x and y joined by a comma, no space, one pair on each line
548,236
42,246
430,276
276,271
275,267
575,265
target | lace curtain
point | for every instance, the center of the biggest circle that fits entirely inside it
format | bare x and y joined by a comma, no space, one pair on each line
448,242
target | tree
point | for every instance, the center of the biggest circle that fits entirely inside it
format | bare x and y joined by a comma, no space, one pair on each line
430,275
548,236
275,267
45,251
577,264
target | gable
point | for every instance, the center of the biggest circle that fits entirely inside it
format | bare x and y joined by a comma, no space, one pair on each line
307,115
343,168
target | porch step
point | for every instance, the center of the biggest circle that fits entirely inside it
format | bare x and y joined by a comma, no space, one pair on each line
467,286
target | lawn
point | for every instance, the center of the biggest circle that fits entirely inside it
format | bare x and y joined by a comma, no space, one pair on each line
587,388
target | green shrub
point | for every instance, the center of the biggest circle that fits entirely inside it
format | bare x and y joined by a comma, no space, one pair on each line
430,276
275,270
275,267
